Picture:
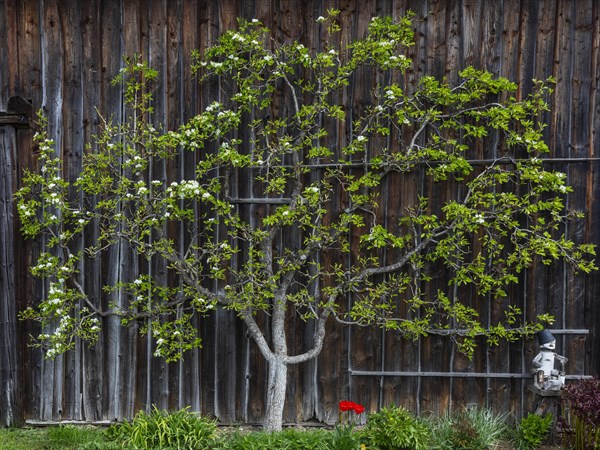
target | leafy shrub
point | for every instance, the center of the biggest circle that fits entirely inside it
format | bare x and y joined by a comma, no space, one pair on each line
475,429
583,399
162,429
396,428
532,430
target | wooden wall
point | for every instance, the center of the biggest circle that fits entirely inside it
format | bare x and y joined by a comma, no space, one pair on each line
62,54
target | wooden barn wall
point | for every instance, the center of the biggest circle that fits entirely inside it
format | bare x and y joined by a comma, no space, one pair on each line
62,54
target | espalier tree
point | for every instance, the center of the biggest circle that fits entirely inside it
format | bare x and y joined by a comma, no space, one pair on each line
507,213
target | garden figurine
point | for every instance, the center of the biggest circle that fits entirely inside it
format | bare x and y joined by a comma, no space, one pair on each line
545,374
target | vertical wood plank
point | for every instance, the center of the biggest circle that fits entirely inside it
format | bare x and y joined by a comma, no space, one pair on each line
436,351
52,76
365,345
155,29
10,389
72,111
103,270
91,73
188,103
594,212
577,288
26,68
10,410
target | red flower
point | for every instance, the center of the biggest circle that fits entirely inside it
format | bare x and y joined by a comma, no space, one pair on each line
346,405
359,409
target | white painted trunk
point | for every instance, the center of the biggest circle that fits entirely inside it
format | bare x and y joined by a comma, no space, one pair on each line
278,360
277,384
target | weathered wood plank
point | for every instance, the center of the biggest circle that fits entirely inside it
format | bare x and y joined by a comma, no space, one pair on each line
25,73
161,376
577,288
91,269
10,388
365,345
121,30
52,74
594,212
72,111
188,103
208,31
14,120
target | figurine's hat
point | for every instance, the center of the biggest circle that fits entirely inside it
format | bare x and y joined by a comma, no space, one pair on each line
544,337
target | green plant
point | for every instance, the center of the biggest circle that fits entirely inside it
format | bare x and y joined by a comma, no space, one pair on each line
474,429
531,431
583,399
23,439
162,429
70,435
344,438
396,428
289,439
67,437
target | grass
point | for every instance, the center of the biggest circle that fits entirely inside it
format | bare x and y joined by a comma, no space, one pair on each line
54,438
23,438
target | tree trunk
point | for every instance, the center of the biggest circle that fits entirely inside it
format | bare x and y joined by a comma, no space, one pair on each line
277,384
279,359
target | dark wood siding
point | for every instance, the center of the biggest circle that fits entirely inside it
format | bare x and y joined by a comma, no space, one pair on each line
61,54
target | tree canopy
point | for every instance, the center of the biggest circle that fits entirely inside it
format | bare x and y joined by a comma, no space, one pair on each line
280,102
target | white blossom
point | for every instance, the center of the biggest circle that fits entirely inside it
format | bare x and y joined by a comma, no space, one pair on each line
238,37
213,106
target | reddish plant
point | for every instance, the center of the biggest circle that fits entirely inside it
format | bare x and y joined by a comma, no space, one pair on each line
584,400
